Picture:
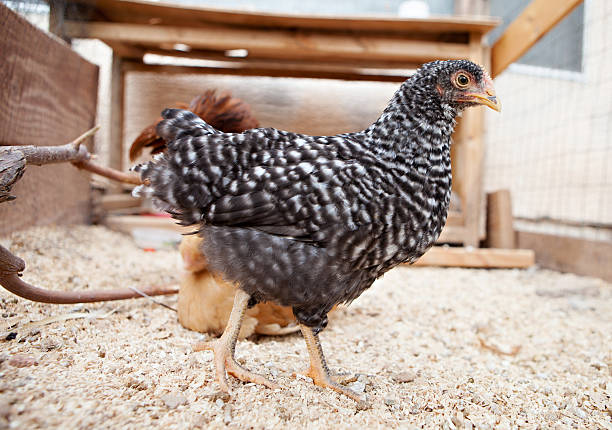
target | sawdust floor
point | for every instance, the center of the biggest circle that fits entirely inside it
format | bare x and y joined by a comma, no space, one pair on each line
432,348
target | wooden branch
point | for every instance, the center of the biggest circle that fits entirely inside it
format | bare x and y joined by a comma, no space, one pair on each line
11,266
107,172
12,167
13,160
533,23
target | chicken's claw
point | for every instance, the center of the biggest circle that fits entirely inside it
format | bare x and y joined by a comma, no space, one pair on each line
224,348
225,363
319,372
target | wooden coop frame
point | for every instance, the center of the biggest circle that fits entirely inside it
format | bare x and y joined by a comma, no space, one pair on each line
348,48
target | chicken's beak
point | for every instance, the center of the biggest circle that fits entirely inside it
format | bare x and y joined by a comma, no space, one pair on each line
487,96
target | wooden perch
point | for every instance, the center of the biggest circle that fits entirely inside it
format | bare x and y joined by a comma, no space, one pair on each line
13,161
11,266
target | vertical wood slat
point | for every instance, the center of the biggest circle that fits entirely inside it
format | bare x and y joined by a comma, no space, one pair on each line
117,113
49,96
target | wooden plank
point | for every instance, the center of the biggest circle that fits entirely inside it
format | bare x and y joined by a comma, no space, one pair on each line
500,233
174,14
119,201
534,22
130,66
124,50
49,96
257,61
568,254
477,258
454,234
126,223
273,43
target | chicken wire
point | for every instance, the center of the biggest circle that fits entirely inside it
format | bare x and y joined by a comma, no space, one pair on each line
552,145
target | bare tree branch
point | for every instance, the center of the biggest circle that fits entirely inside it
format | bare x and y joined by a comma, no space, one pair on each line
107,172
11,266
14,159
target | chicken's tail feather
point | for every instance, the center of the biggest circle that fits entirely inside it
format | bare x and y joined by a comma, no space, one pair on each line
174,179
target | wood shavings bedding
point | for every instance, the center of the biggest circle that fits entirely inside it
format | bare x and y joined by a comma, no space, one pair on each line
414,341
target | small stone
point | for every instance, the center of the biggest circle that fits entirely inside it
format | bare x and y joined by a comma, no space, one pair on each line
580,413
599,365
22,360
227,414
172,401
389,401
218,396
137,385
405,377
50,343
357,386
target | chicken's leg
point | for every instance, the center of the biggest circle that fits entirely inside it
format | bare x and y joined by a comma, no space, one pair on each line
224,348
318,370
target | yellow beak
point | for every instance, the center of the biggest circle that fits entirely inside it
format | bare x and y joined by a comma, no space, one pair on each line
488,100
487,97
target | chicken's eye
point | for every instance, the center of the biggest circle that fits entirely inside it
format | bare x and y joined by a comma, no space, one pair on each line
462,80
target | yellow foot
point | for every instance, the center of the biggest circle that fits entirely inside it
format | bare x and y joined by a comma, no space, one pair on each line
225,362
323,380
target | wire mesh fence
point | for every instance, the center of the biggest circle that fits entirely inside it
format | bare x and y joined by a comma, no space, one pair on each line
552,146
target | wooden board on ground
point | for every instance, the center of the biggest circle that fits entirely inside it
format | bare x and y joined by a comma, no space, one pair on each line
568,254
48,95
437,256
488,258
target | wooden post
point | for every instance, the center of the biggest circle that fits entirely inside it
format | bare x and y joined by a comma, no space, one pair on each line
500,233
117,113
57,12
468,155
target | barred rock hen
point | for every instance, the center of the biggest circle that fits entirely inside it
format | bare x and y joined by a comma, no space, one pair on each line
312,221
221,111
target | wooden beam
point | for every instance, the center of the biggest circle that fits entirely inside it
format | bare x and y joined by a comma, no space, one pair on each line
257,61
477,258
568,254
288,44
529,27
131,66
123,50
176,14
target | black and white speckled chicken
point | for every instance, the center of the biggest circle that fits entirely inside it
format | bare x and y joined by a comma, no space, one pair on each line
312,221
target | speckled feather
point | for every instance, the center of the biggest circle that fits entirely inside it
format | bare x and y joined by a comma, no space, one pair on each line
312,221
